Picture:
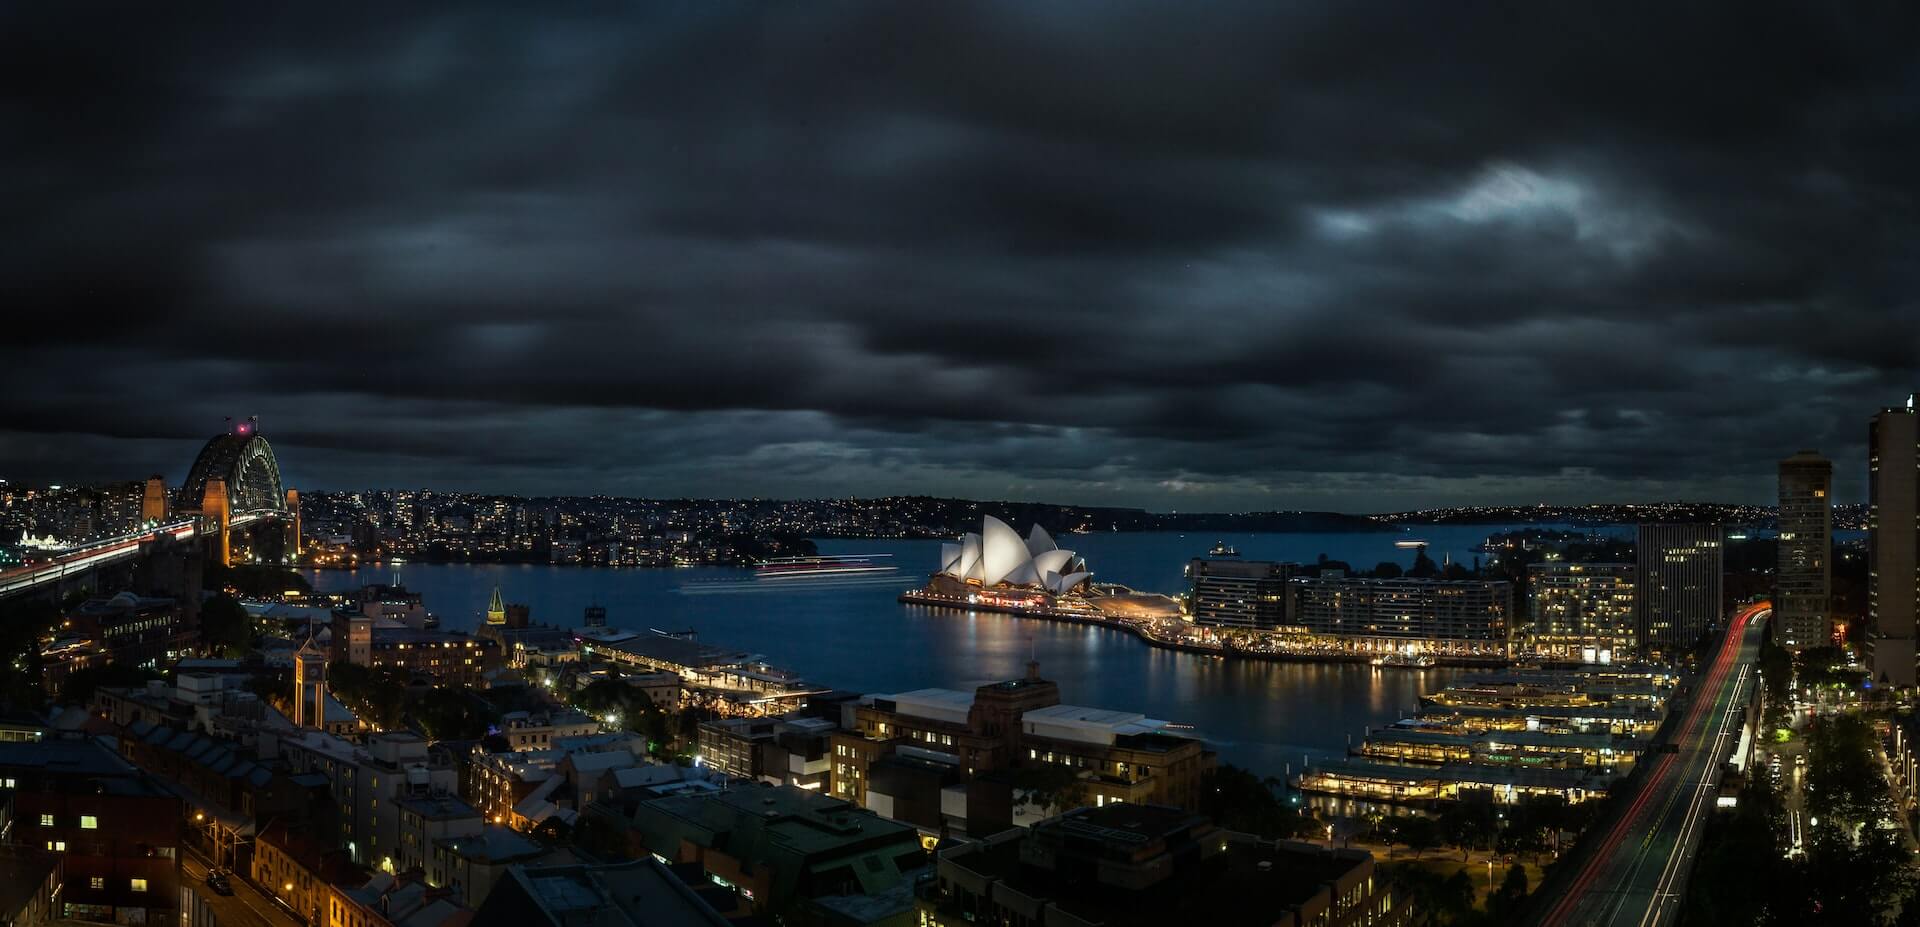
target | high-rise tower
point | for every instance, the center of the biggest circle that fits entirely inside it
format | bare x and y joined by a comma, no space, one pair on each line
1678,591
1893,538
1803,583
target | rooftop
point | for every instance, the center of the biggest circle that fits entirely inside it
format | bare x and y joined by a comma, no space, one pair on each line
64,757
672,651
494,844
1245,883
950,705
798,820
439,808
629,894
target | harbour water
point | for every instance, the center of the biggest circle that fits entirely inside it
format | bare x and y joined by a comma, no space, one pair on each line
850,633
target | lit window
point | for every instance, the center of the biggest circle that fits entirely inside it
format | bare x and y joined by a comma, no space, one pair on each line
58,846
97,882
89,822
46,820
138,885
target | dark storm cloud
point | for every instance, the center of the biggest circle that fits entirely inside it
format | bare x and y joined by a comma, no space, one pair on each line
1214,255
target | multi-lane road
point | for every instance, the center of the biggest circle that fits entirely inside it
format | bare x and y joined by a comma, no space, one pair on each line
1635,874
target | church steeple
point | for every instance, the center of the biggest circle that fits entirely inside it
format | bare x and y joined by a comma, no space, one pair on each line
496,609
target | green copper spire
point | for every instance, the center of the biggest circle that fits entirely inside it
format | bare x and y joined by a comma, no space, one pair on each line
496,610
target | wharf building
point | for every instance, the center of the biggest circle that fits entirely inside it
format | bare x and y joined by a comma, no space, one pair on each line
1503,738
1529,749
1125,865
1893,542
1803,583
731,683
1348,787
1580,612
1416,617
1248,595
1679,588
947,760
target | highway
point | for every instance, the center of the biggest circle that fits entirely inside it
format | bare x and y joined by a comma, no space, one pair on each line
1635,874
77,560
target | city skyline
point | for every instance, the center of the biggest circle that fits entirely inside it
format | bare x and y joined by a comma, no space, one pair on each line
1328,264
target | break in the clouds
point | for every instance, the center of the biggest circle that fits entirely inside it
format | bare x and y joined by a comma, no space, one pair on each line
1352,256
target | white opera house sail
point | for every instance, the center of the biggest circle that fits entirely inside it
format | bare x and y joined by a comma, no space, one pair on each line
998,557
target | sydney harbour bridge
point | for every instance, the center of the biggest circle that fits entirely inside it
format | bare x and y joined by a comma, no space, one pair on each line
232,502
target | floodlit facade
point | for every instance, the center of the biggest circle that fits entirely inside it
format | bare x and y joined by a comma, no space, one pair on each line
1466,618
1893,542
1581,611
997,556
1803,584
1245,594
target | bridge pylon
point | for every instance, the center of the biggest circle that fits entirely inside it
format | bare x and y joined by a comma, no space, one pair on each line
214,507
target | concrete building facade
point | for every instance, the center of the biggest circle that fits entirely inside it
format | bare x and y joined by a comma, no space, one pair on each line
1893,542
1679,591
1581,611
1803,581
1240,594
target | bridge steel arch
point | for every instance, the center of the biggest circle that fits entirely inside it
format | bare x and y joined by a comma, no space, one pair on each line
245,463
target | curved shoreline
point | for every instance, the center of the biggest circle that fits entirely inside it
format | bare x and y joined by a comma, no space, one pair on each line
914,597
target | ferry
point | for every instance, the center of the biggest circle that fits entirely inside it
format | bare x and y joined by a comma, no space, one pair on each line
1409,544
1222,549
833,565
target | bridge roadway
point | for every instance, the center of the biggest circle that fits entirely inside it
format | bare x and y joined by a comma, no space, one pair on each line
94,554
1635,875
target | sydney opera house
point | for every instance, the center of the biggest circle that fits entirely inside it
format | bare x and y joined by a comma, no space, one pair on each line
997,561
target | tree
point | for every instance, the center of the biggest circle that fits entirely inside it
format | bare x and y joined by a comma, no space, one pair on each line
273,685
1466,825
1387,570
255,581
1423,565
1240,801
22,624
1420,834
1049,788
1504,905
225,626
77,688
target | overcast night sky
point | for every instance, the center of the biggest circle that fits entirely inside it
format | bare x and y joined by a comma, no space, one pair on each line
1182,256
